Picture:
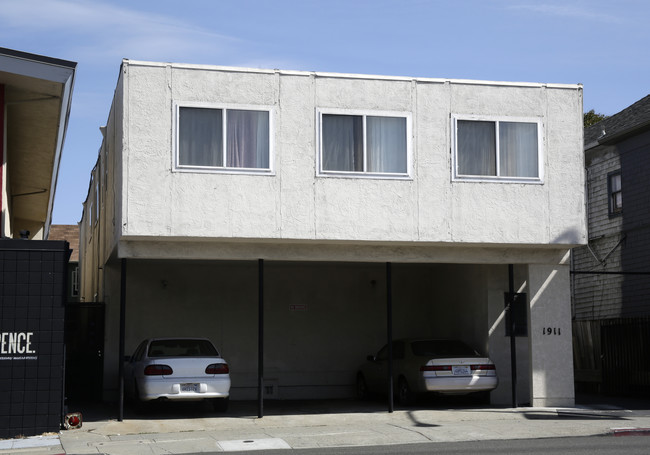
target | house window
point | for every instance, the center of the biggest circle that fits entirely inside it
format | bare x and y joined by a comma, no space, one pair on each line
74,287
363,144
497,149
615,193
223,139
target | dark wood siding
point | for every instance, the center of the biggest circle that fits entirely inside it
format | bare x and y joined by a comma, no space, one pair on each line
617,243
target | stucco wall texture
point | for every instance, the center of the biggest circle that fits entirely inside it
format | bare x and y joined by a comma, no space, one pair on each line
293,203
458,235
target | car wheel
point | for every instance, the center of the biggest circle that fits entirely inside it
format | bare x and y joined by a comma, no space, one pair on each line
221,404
362,388
404,393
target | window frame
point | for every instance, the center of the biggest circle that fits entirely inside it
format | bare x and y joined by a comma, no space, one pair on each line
612,210
456,177
224,107
320,172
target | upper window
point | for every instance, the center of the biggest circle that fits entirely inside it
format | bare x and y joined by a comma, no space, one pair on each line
364,144
497,149
615,193
223,139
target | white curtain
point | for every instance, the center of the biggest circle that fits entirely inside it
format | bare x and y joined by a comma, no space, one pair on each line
476,148
342,138
386,147
200,137
247,139
518,155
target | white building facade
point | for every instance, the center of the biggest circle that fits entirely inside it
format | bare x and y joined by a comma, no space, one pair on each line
205,170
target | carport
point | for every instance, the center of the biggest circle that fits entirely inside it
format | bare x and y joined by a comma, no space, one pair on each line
299,330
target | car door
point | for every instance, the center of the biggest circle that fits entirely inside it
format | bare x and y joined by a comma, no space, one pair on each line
130,368
377,371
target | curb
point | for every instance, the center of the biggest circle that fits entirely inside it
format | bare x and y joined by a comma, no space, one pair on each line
631,431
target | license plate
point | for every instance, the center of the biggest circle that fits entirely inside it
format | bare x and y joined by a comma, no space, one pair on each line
190,388
461,370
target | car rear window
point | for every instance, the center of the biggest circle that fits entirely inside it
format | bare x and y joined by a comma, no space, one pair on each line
442,348
181,348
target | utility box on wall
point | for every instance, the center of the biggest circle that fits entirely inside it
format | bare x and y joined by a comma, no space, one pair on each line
32,296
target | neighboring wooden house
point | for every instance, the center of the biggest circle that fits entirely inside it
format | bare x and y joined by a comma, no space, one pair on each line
35,99
611,280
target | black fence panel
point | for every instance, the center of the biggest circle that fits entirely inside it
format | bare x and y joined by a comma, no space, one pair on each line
32,294
625,346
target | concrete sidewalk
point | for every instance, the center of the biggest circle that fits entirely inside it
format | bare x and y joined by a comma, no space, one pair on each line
184,429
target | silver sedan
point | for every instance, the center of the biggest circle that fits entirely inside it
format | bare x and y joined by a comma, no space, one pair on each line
448,367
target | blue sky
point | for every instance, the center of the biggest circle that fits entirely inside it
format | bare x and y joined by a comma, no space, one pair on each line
604,45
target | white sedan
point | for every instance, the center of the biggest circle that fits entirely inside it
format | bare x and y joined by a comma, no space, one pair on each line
427,365
183,369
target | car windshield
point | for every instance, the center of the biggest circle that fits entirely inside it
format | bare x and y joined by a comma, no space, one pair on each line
442,348
181,348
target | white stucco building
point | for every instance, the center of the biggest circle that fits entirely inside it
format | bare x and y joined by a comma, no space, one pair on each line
205,170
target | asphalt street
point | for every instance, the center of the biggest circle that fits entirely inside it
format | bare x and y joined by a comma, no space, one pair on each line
593,445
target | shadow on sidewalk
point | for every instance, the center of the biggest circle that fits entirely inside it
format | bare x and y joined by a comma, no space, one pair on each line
94,411
588,407
611,401
575,415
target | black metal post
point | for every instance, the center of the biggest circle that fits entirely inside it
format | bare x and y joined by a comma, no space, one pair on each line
389,333
513,342
260,339
63,403
120,416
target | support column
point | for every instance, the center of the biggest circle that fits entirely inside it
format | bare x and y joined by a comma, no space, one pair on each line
260,339
499,343
120,416
550,337
513,334
389,332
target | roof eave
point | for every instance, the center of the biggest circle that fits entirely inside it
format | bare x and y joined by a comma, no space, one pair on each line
64,118
57,71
